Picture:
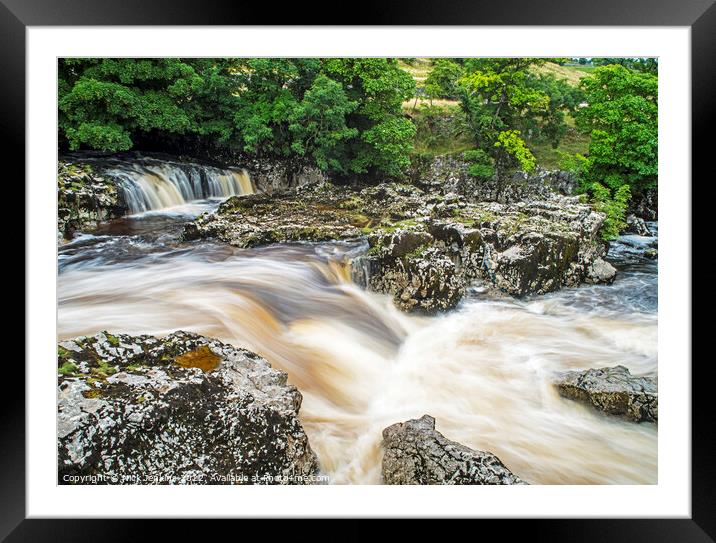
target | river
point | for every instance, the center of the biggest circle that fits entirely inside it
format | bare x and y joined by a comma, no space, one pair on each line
481,370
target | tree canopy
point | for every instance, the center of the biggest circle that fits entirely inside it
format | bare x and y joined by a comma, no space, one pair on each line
345,114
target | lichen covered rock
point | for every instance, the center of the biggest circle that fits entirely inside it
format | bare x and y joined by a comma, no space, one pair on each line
84,198
424,249
176,410
612,390
414,453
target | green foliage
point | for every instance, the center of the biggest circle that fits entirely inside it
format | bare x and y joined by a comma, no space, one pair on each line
575,163
642,64
440,130
614,207
318,124
505,99
481,165
442,81
622,119
514,146
345,114
550,124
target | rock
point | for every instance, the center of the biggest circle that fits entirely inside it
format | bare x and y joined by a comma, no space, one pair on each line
612,390
416,454
449,174
176,410
645,204
636,225
601,271
84,198
425,248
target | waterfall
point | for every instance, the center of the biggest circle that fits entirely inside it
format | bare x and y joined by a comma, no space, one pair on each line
148,184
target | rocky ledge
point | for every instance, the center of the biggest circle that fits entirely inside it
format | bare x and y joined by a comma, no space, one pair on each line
416,454
612,390
84,198
176,410
425,248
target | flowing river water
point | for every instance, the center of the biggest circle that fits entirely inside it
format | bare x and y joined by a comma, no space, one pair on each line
481,370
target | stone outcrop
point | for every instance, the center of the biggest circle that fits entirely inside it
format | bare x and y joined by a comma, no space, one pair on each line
449,174
425,248
414,453
612,390
84,198
270,176
636,225
176,410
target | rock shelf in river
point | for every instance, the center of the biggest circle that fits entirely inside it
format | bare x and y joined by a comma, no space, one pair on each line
612,390
424,248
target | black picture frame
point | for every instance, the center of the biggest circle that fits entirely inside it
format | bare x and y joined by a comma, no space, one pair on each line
699,15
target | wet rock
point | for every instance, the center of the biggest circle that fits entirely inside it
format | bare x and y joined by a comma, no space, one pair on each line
84,198
416,454
601,271
176,410
612,390
425,248
636,225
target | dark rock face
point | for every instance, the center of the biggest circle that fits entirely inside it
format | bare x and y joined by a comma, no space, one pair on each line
177,410
612,390
425,248
636,225
84,198
645,205
416,454
271,176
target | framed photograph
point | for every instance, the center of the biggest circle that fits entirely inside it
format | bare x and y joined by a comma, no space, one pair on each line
394,271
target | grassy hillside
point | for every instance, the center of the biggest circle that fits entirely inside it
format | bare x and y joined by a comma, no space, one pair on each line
441,130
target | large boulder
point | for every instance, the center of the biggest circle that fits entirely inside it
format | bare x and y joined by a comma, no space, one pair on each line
176,410
612,390
414,453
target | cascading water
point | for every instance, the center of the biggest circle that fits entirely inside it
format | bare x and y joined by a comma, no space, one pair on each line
148,184
482,370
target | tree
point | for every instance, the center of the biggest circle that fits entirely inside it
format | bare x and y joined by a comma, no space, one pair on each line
640,64
345,114
442,81
318,124
499,101
622,118
380,87
104,102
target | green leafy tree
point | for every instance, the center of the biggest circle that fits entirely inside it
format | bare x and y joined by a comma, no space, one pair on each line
104,102
514,146
380,87
500,100
442,81
481,165
622,118
550,123
345,114
640,64
318,124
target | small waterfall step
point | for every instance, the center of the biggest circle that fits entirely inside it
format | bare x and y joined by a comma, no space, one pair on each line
149,184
